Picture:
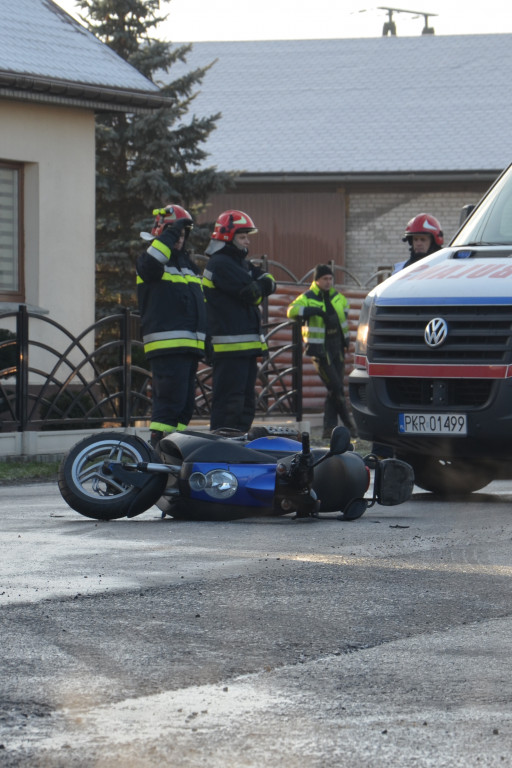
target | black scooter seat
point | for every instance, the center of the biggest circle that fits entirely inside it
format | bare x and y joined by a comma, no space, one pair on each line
227,452
199,446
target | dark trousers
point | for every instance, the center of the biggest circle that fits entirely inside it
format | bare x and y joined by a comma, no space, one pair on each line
174,380
233,394
332,372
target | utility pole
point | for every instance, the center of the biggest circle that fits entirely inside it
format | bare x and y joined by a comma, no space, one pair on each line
389,27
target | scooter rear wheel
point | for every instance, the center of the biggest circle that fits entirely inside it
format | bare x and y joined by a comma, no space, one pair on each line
92,492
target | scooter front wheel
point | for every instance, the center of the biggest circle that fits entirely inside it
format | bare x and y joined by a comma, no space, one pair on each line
93,492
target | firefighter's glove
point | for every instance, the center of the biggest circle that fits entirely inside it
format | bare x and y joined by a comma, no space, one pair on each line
268,285
311,311
252,292
331,320
173,232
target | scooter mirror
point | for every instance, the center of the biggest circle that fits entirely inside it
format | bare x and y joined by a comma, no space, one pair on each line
340,440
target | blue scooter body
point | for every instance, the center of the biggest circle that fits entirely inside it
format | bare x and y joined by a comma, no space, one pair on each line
256,482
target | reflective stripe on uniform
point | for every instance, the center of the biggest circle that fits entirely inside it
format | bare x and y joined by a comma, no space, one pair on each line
239,347
238,338
174,275
152,346
313,334
207,280
173,340
191,277
238,343
161,335
159,251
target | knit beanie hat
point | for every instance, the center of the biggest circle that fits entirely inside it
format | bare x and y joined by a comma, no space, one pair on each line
321,270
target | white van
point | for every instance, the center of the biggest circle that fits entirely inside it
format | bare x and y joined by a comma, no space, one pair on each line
432,382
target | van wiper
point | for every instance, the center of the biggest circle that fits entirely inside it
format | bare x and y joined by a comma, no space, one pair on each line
478,243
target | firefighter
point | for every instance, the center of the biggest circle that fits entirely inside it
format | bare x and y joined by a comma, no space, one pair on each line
234,288
424,235
324,312
173,319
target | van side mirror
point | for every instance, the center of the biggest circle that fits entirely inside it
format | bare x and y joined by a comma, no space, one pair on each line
465,213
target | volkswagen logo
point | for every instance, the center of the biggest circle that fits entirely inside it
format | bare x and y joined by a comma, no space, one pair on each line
436,332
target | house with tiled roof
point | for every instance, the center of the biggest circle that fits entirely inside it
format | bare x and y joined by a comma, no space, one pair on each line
54,77
340,142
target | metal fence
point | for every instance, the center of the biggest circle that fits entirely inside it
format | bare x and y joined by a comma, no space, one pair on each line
53,380
101,377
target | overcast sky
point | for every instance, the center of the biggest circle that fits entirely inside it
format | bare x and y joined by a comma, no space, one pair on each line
195,20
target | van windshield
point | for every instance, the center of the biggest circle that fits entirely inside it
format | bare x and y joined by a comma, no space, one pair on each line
491,223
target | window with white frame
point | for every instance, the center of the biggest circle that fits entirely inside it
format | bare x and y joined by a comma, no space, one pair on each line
11,262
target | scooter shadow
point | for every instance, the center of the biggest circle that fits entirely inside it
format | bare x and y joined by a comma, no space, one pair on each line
149,520
466,498
262,520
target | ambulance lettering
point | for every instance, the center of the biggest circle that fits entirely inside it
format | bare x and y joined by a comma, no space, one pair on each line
455,272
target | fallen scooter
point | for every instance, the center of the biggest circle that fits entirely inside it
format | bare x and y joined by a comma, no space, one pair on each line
203,476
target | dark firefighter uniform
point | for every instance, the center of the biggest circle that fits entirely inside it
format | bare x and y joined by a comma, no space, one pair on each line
173,323
325,335
233,288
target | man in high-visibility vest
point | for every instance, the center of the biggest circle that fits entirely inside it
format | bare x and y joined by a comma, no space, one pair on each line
323,311
234,288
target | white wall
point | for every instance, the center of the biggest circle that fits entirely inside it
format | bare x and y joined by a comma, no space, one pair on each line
58,147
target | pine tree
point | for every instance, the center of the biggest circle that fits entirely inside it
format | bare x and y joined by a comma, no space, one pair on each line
144,160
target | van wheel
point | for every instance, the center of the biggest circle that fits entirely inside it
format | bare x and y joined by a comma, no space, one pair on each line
446,477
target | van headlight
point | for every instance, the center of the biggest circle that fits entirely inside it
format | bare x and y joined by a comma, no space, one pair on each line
218,483
363,327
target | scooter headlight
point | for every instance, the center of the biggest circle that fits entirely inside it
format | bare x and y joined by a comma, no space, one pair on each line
220,484
197,481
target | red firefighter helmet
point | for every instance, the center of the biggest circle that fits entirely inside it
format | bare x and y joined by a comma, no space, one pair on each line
424,224
231,223
168,215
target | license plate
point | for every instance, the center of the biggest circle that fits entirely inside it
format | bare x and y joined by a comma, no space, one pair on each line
454,424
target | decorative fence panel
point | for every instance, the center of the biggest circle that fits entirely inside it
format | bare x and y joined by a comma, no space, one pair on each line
101,377
77,385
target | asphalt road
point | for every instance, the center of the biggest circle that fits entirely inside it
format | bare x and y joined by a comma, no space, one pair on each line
149,642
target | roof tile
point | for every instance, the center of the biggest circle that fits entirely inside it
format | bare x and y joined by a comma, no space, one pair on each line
53,45
371,105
